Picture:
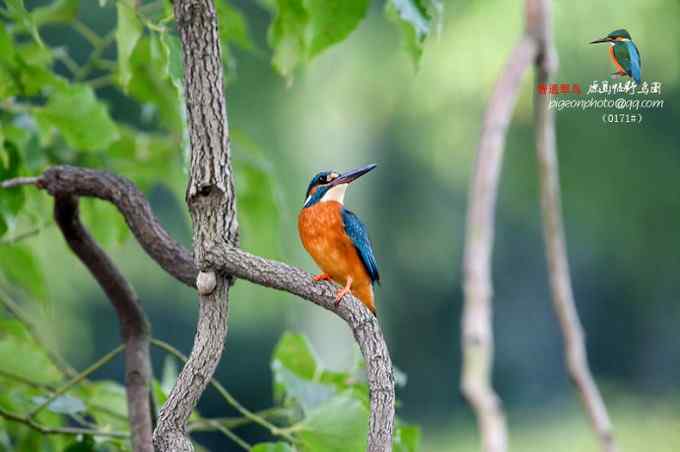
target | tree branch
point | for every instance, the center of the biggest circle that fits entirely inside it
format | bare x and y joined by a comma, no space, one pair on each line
556,248
170,255
134,326
230,260
477,333
364,326
18,182
212,204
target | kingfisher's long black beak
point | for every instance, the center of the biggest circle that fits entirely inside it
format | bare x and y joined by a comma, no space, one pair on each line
605,39
349,176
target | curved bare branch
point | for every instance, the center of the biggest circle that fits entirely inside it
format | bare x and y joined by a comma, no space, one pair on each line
134,326
477,329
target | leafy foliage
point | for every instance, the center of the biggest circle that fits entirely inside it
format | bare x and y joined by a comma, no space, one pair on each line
414,18
120,107
332,407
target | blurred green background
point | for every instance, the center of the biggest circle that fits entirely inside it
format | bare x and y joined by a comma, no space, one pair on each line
362,101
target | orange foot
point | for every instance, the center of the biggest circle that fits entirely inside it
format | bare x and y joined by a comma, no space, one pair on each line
342,292
322,277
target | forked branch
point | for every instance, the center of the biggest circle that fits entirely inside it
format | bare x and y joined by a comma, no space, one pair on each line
535,46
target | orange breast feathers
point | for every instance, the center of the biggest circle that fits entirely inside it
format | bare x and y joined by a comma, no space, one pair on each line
323,235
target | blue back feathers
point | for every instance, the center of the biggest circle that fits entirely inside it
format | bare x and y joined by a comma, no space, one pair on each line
356,230
635,62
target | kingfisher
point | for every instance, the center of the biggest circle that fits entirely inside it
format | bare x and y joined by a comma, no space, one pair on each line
624,53
335,237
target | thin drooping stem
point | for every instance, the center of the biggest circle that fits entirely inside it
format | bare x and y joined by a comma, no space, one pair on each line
477,332
556,248
107,358
134,326
212,204
46,430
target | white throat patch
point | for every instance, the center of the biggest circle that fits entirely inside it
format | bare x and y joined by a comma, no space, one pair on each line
336,193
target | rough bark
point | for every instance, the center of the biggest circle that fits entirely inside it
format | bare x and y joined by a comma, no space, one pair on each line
134,326
212,205
553,231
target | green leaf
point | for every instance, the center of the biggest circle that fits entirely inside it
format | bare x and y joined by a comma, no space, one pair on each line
81,118
7,50
174,66
128,32
294,352
85,444
301,29
287,35
233,27
59,11
17,11
169,376
307,394
331,21
272,447
338,425
259,198
34,363
11,199
3,225
21,268
104,222
146,158
414,20
150,83
110,395
406,438
63,404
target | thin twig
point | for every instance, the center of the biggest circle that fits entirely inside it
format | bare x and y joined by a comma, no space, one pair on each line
231,435
19,181
226,395
88,33
77,379
556,247
24,235
235,422
45,430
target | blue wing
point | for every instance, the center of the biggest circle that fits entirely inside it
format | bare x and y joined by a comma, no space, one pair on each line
635,63
356,230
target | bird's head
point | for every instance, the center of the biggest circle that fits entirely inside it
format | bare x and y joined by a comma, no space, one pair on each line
331,185
614,36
